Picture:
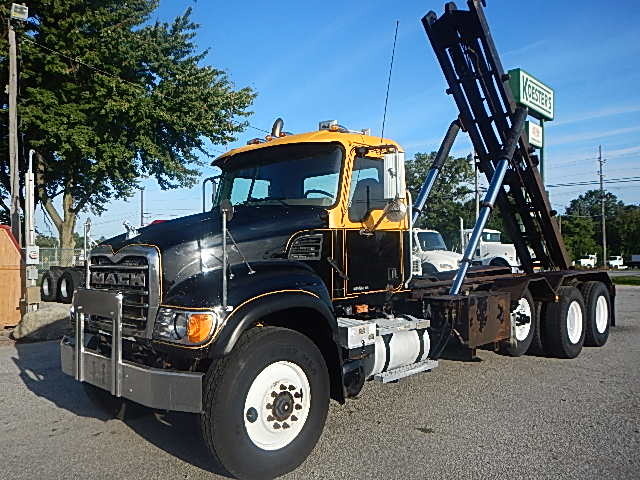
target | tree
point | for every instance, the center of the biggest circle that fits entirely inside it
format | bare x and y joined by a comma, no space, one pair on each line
589,203
578,234
46,241
149,108
446,202
623,231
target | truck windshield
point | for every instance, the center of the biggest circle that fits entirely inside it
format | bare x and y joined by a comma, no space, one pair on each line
431,241
297,174
491,237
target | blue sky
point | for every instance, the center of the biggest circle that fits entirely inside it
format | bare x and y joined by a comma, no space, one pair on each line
318,61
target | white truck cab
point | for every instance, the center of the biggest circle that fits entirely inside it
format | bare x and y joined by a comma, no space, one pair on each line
588,261
616,261
491,250
431,253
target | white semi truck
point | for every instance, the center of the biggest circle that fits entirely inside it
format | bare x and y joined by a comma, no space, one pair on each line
431,255
491,250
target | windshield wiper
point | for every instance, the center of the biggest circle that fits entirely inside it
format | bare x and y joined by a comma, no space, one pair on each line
266,199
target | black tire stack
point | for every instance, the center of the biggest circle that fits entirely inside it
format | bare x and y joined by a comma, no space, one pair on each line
58,284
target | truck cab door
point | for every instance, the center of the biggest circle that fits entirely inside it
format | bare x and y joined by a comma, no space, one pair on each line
374,259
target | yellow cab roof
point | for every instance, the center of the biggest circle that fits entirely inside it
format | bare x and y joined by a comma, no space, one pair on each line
348,140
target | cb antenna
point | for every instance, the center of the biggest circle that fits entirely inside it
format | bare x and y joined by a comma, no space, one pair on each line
386,100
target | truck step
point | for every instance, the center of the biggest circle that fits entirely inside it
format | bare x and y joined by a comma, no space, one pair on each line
401,372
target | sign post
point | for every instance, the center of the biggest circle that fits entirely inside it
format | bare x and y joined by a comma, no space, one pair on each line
540,99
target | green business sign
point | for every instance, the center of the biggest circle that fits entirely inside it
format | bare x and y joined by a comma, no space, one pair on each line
532,93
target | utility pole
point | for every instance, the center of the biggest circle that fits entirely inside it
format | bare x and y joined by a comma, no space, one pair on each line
14,183
142,207
602,199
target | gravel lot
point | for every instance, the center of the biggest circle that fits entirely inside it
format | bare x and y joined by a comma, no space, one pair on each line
522,418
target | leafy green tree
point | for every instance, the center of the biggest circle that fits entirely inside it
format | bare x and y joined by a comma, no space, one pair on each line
446,202
149,108
46,241
623,231
578,234
589,203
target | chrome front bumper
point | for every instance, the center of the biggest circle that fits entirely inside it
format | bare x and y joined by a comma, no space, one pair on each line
152,387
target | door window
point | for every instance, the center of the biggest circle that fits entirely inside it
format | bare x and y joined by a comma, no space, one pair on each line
366,191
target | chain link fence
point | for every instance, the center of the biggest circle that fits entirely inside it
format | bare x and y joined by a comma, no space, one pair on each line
59,257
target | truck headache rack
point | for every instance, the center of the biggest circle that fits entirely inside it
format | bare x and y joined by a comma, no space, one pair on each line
468,57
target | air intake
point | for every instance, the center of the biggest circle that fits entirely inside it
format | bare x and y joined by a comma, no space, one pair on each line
306,247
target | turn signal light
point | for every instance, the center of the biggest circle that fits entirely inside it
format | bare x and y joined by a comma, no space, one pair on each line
199,327
362,308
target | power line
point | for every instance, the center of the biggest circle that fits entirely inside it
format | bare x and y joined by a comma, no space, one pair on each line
596,182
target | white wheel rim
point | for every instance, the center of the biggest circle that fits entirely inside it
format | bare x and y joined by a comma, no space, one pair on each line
63,287
277,405
45,286
523,309
602,314
574,322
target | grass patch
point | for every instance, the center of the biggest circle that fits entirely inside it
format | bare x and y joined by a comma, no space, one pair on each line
627,280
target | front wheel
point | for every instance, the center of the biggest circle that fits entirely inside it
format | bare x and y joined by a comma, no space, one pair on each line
265,404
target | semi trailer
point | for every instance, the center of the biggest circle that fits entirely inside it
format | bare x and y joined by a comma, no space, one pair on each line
297,286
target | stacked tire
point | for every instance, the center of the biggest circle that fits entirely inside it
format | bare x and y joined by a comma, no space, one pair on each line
58,284
71,279
49,285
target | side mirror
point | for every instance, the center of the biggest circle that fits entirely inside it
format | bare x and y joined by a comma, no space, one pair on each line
394,183
214,186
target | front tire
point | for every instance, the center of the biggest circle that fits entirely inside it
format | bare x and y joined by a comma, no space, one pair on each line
428,269
598,308
564,324
265,404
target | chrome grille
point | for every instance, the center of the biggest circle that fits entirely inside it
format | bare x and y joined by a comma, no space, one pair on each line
134,272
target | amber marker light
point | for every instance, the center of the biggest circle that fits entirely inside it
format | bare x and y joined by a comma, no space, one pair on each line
200,327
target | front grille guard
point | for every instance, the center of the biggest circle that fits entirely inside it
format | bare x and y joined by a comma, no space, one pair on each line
105,304
157,388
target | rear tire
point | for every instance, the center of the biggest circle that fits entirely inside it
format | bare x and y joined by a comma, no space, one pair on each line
564,324
525,331
265,404
49,286
598,308
537,345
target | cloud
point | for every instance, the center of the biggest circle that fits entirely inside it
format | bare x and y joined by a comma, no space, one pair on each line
525,48
603,112
586,136
622,152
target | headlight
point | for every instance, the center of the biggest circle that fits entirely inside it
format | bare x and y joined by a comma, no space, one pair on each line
187,328
446,266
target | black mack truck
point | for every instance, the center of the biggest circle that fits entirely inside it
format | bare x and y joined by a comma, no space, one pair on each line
300,284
